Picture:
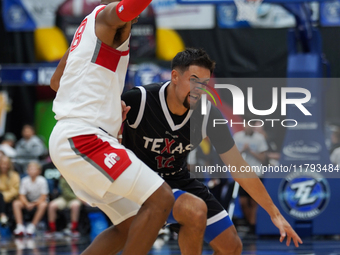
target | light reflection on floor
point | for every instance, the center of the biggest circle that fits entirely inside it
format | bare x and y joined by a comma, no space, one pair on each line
69,246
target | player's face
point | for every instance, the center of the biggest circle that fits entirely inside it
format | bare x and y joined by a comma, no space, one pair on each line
191,83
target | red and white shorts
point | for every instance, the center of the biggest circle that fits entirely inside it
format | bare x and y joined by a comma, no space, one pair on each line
101,171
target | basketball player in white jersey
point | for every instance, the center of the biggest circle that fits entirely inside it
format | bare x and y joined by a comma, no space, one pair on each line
89,81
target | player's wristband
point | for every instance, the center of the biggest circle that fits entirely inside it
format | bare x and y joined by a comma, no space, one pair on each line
127,10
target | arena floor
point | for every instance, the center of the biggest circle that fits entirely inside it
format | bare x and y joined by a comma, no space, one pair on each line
259,246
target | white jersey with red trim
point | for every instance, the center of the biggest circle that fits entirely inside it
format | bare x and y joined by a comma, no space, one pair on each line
93,79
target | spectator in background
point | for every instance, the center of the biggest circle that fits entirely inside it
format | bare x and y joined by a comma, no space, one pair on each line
7,145
9,186
33,198
335,146
253,147
29,147
273,154
335,138
206,155
67,199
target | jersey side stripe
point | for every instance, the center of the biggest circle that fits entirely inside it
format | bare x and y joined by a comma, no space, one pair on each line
141,108
110,161
106,56
205,121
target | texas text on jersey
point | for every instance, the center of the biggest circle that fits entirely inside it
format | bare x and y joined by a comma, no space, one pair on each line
164,140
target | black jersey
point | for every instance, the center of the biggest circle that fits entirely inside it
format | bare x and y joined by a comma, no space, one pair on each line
163,140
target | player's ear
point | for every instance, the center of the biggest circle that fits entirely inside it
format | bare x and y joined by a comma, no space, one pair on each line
174,76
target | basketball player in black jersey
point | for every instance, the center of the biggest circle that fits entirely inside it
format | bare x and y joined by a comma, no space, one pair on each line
159,131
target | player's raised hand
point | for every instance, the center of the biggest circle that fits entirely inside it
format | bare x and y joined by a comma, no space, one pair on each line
286,230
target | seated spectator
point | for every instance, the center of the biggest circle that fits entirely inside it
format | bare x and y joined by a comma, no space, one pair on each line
67,199
335,157
335,139
9,186
273,154
33,198
7,145
29,147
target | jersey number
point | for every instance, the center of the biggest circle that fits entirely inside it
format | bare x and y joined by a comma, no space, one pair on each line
164,162
78,35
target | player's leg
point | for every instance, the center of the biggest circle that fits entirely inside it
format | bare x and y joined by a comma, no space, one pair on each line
156,206
111,240
220,232
191,213
98,168
227,243
122,214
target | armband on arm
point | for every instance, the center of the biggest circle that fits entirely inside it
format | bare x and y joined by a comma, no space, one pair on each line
127,10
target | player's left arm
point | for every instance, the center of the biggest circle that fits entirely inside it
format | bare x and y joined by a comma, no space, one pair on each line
254,187
132,100
223,142
55,80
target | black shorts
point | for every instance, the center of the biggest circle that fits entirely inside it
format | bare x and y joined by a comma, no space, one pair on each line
198,189
217,219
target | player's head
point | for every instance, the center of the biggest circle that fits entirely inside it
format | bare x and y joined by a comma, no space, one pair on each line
191,56
191,71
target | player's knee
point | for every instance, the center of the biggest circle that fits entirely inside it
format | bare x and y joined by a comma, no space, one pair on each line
121,229
228,242
169,198
197,213
164,197
235,247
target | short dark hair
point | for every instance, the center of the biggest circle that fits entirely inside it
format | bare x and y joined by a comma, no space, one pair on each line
192,56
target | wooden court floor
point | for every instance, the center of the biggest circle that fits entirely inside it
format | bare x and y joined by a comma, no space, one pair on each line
254,246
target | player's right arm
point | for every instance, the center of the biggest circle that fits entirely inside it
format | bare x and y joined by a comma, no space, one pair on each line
55,80
115,15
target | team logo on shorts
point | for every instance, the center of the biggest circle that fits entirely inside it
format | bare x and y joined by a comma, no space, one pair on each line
304,195
111,159
121,8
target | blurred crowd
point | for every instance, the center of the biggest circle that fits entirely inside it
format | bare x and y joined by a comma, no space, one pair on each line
33,194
